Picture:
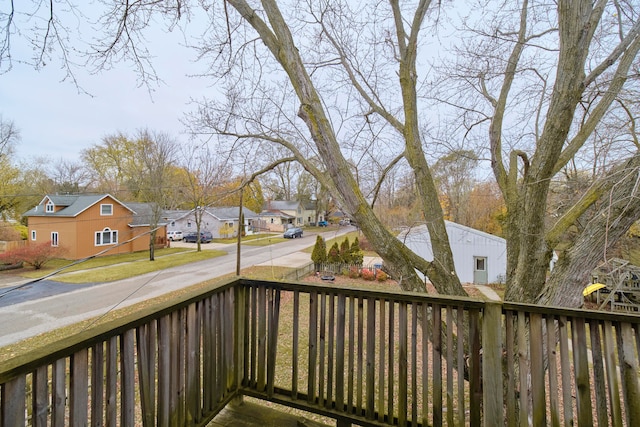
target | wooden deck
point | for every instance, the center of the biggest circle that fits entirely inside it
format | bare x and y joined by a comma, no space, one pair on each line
251,414
356,357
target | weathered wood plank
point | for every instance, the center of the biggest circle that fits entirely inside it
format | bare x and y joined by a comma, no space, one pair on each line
295,371
613,381
322,348
313,346
359,357
382,349
414,364
450,397
565,368
475,380
492,364
581,371
128,380
523,369
629,368
597,365
425,362
391,397
262,339
402,364
370,372
14,401
111,416
164,370
79,388
330,352
40,398
192,367
552,359
340,349
58,392
436,316
512,411
536,347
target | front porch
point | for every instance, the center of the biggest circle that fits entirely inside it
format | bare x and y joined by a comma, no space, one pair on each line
358,357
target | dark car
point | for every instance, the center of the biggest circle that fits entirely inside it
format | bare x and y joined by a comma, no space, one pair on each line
292,233
205,237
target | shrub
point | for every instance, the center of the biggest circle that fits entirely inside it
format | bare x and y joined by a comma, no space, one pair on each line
345,252
381,276
367,274
354,272
334,254
34,255
357,256
319,254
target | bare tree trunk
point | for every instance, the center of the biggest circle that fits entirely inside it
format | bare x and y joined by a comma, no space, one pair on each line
573,270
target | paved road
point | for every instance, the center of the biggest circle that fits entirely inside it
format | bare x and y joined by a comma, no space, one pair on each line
25,319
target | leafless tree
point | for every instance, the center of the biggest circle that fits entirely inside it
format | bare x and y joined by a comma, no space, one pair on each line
346,83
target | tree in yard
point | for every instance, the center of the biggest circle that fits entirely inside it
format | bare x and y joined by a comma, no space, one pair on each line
345,251
345,96
319,253
357,257
35,255
333,256
205,173
453,174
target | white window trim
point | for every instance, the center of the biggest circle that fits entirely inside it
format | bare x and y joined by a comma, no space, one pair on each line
49,207
33,235
99,237
103,206
55,239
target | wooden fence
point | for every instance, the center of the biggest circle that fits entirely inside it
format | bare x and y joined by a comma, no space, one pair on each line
362,357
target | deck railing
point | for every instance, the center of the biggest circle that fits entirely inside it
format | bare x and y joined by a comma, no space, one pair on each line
362,357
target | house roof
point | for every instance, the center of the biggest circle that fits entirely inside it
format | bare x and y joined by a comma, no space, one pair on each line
230,213
143,214
221,213
276,213
73,205
422,229
280,205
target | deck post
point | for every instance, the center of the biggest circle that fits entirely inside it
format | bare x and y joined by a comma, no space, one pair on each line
492,364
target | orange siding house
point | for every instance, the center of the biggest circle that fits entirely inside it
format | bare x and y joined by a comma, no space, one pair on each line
85,225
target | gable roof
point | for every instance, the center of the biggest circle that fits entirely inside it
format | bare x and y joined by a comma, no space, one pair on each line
230,213
280,205
73,205
421,230
143,214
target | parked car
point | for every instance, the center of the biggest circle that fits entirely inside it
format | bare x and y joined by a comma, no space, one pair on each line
174,235
292,233
323,223
205,237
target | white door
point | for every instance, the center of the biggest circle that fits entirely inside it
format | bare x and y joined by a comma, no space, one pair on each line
480,275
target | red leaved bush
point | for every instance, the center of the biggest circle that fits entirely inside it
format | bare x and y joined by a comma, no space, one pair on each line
34,255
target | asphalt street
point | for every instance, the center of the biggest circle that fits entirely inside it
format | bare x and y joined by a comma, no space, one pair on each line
49,305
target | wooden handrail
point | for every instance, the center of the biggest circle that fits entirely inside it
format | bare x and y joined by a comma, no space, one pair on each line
368,357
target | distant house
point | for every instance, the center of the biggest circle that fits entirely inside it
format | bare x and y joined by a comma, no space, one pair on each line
479,257
278,215
220,222
84,225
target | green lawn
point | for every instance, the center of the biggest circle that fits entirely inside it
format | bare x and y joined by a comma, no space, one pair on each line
112,267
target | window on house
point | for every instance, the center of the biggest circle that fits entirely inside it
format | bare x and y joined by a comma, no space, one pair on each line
49,207
106,237
188,224
106,209
33,234
271,220
54,238
173,223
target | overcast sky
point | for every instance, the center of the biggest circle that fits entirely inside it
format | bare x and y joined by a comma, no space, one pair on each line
56,120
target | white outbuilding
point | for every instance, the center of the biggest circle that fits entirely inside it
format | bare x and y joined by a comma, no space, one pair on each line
479,257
